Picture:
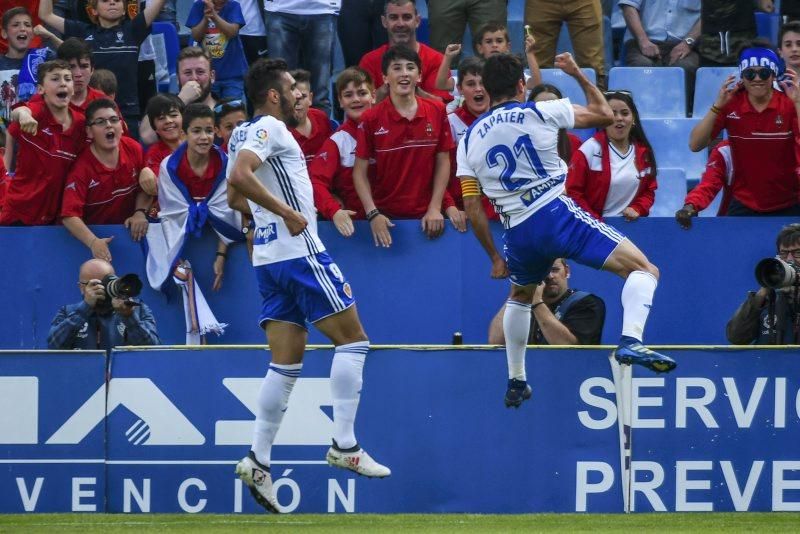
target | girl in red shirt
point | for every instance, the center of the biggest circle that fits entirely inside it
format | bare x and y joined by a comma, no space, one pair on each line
614,172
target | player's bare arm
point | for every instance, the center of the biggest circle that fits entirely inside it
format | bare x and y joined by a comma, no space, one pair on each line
480,225
243,179
596,113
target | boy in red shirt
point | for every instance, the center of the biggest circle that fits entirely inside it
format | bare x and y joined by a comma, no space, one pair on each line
49,136
409,139
103,184
313,127
331,171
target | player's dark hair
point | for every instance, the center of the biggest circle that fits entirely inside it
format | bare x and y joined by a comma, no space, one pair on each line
264,74
564,146
470,65
104,80
226,107
301,76
13,12
47,66
399,3
74,48
501,75
195,111
399,53
96,105
793,26
636,134
489,27
355,75
788,236
161,104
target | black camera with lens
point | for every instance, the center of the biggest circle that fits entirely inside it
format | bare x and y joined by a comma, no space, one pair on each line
774,273
120,287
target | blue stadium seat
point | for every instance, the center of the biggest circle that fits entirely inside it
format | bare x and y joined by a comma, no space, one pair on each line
658,91
713,208
516,10
706,88
670,193
670,141
768,26
172,47
569,87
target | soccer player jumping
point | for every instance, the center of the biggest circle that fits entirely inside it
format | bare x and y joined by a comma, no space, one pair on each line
511,154
297,279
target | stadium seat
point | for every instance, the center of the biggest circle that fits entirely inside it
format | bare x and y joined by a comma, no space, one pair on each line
172,46
706,88
670,193
658,92
569,87
670,141
713,208
768,26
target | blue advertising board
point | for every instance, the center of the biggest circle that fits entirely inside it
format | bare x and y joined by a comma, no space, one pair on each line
719,433
52,431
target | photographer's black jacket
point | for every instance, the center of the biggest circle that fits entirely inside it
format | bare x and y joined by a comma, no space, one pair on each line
77,326
750,323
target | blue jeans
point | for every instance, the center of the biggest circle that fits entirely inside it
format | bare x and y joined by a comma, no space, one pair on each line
305,41
233,88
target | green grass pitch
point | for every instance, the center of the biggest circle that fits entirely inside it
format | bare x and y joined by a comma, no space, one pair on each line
335,523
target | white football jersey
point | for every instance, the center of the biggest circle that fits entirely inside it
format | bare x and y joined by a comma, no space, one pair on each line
513,152
284,173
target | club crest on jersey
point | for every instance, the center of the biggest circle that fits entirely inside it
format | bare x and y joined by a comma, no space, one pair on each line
261,134
347,290
120,35
779,121
429,129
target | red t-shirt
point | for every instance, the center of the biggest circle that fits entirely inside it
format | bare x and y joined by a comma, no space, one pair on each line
331,173
431,61
199,186
320,131
33,196
155,155
764,149
405,155
101,195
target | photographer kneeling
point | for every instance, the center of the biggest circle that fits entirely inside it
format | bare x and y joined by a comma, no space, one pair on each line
101,321
771,316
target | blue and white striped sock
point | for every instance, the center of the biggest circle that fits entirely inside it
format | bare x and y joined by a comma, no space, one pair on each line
346,381
273,398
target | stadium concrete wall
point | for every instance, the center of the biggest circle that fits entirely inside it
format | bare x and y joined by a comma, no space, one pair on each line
417,291
164,432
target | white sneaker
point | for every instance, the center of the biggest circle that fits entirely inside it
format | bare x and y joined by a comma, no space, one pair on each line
258,479
359,462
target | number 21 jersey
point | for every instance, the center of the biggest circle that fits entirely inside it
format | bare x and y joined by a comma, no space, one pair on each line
513,152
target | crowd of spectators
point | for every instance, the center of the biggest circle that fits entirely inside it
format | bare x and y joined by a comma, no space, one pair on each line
85,139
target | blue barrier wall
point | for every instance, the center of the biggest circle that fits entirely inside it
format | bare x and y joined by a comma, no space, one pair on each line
719,433
418,291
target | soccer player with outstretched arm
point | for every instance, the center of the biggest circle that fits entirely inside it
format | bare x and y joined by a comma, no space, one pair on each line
511,153
297,279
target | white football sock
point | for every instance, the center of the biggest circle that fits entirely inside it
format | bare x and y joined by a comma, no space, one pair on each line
516,327
346,380
637,298
273,398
